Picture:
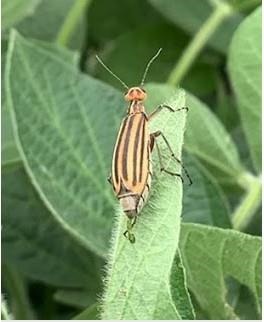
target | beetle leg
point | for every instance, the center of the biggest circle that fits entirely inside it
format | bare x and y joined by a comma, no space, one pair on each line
160,107
127,233
157,134
109,179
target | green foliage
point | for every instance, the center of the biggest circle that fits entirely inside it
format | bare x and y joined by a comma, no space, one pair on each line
45,24
59,126
195,81
9,149
245,70
44,252
189,15
16,10
205,202
212,254
70,192
160,217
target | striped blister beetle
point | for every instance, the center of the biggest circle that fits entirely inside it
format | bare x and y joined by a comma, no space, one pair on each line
131,163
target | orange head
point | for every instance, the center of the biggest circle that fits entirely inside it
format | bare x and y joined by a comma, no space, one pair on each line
135,94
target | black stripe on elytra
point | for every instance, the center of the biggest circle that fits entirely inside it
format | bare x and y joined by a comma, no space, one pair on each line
118,147
141,153
135,151
124,156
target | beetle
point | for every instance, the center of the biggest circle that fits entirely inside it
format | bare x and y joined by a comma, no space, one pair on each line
131,164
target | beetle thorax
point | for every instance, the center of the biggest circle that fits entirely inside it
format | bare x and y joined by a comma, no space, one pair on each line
136,107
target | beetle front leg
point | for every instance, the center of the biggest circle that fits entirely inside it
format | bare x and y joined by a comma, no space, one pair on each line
162,106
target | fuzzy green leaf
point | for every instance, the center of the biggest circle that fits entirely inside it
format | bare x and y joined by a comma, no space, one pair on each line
244,66
144,268
212,254
14,11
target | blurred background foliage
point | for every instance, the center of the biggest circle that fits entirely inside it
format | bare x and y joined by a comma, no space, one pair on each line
46,279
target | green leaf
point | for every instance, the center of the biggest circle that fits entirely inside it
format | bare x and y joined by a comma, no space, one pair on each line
79,298
212,254
206,138
47,21
9,151
10,154
138,275
200,80
35,243
179,290
204,202
191,14
244,65
17,293
91,313
56,126
14,11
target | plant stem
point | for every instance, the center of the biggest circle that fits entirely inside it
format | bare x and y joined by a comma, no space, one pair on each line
5,315
71,21
221,11
21,308
250,202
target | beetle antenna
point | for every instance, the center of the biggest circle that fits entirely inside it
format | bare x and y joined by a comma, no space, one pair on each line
148,65
109,70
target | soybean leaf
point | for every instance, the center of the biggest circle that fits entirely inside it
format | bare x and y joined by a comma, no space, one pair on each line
135,270
47,21
91,313
212,254
191,14
55,117
10,155
244,65
206,138
178,286
36,244
14,11
8,148
79,298
200,80
204,202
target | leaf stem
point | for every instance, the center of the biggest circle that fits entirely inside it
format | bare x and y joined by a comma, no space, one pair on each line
71,21
21,307
221,12
250,202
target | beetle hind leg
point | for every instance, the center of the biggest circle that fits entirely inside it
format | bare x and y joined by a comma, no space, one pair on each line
128,234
